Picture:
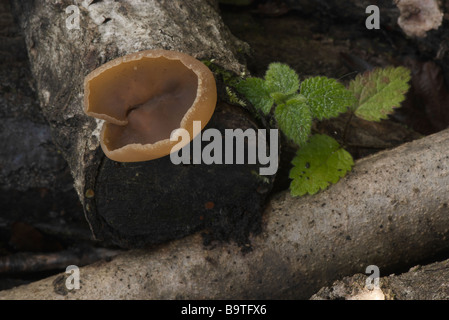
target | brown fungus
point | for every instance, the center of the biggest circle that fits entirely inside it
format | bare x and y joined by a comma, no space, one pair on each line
143,97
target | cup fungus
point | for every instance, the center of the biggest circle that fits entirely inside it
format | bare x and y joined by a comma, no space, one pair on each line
143,97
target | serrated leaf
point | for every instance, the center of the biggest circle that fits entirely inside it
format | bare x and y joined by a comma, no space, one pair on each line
321,162
379,91
279,98
294,119
326,97
256,92
281,78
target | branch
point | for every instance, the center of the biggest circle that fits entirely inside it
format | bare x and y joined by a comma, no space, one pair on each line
391,211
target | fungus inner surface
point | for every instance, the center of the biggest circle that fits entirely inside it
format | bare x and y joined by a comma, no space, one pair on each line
152,94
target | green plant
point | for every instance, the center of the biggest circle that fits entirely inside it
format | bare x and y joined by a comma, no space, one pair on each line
320,160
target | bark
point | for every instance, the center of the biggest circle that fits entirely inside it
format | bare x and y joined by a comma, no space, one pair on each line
429,282
32,171
390,211
124,205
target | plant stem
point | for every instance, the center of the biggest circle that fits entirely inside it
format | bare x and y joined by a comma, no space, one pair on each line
351,114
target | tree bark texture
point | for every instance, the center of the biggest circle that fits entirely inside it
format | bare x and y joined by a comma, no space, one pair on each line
36,186
390,211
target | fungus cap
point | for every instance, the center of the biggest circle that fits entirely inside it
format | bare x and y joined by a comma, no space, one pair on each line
143,97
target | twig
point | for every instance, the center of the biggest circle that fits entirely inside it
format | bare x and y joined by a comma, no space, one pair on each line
25,262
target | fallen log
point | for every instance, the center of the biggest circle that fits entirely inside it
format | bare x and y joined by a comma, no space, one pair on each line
131,205
390,211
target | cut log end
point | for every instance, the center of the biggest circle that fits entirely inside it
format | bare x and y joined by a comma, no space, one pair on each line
150,202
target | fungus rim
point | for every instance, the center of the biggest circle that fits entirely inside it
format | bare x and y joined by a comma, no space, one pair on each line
201,109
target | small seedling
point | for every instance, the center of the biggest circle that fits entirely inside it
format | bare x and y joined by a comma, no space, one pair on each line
320,160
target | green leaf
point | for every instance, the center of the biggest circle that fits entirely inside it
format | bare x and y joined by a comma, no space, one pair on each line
326,97
279,98
294,119
379,91
318,164
256,92
281,78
